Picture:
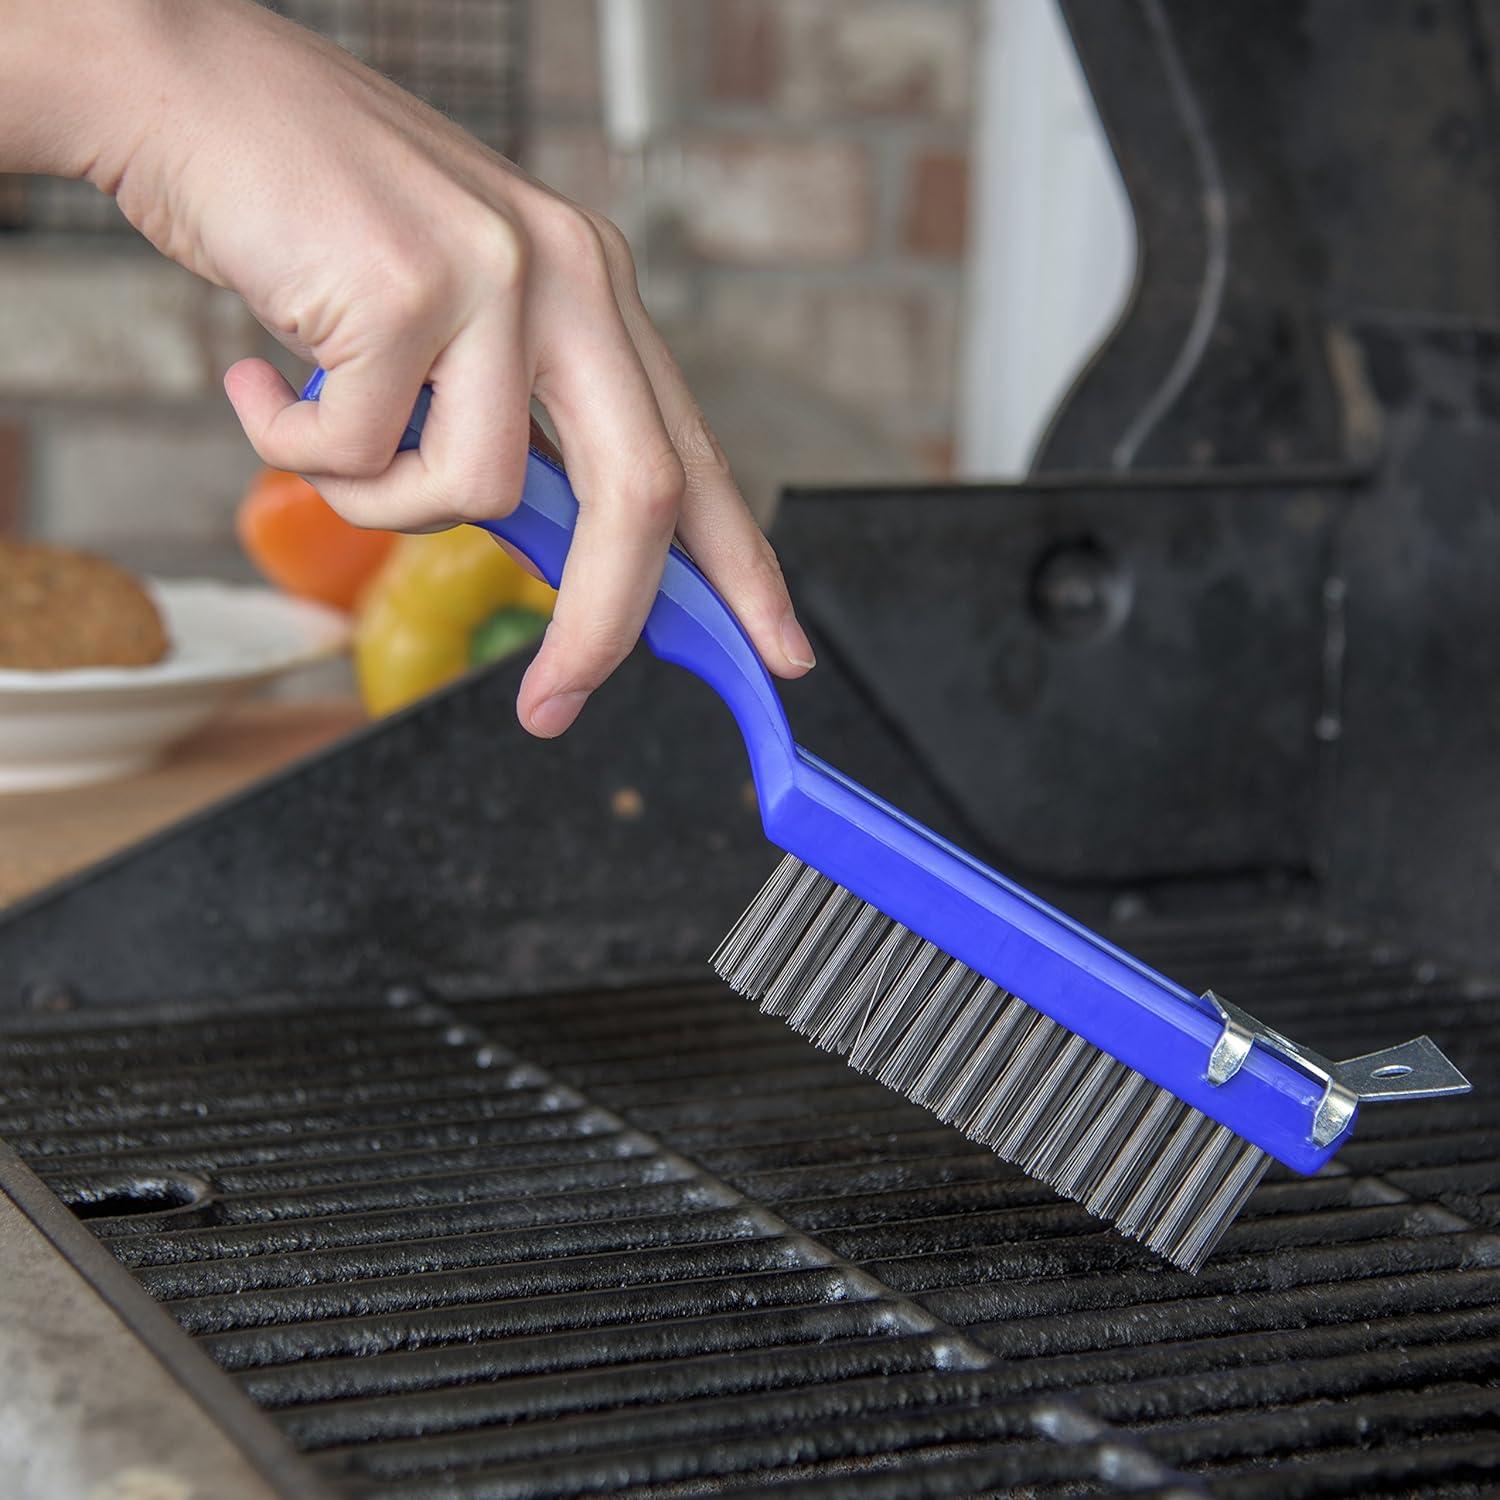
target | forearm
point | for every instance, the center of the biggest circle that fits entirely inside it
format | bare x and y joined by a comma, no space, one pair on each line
369,233
75,84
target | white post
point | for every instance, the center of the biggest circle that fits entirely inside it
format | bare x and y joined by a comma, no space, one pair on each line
1053,245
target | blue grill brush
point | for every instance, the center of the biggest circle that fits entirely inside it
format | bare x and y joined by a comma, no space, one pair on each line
1156,1109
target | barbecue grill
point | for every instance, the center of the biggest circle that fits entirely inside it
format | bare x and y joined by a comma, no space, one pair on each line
386,1128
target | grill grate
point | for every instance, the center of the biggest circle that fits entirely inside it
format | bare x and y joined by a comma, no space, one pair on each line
652,1242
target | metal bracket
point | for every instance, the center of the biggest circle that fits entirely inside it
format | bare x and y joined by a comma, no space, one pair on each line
1410,1070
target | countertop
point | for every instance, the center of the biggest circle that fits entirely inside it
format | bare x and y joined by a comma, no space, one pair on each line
47,835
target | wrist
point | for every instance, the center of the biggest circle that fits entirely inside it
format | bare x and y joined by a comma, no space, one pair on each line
76,85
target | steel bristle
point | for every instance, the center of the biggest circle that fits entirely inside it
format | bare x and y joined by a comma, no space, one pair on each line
858,984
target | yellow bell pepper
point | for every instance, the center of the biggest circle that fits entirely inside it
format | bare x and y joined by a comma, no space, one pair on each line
440,605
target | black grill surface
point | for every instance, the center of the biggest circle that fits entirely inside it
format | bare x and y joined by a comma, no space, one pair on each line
651,1242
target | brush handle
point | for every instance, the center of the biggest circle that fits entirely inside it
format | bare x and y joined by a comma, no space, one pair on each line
689,623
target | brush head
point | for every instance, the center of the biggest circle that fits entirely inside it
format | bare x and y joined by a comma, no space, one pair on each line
895,1007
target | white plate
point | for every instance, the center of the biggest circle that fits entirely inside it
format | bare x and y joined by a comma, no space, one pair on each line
96,723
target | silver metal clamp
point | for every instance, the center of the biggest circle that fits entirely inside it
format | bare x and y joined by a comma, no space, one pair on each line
1416,1069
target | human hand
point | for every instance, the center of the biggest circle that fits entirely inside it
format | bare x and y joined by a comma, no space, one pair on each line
372,235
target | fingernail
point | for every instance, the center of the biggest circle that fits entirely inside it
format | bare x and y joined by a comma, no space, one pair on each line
794,642
553,715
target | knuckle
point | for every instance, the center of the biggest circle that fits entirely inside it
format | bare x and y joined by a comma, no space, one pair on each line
351,504
501,249
577,239
478,501
699,447
766,567
487,486
565,661
470,509
595,650
466,500
358,458
759,585
410,293
654,491
613,243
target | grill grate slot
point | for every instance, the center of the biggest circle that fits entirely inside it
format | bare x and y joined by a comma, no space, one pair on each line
358,1296
637,1215
554,1315
553,1352
636,1248
622,1401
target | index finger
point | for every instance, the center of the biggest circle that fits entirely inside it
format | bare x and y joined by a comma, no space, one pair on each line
629,484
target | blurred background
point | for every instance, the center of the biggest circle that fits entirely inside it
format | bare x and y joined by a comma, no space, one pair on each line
882,236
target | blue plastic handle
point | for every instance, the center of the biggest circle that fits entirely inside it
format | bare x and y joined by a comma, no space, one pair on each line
919,879
689,624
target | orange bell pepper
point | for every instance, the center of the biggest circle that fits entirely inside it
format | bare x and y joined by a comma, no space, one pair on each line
302,545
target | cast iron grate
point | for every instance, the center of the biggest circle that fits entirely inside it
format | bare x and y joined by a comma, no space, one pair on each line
651,1242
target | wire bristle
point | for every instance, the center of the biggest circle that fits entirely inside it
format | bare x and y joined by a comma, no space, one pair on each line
859,984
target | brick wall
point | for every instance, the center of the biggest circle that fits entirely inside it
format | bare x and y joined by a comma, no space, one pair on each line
800,222
804,208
